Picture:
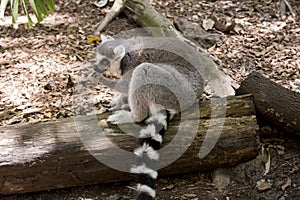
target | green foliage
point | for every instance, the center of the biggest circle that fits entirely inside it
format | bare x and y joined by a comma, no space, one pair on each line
40,8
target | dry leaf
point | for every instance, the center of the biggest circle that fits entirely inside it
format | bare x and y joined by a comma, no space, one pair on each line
169,187
267,159
223,27
72,37
208,24
31,111
93,38
263,185
190,195
101,3
287,184
48,114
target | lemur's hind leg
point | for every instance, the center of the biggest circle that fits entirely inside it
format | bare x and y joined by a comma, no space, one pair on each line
141,95
119,102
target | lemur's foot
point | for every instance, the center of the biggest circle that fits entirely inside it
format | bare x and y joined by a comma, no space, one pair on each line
105,110
115,108
121,117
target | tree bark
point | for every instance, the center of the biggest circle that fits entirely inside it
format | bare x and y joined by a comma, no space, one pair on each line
52,155
274,104
144,15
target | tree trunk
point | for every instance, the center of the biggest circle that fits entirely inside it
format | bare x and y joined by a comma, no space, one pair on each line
52,155
274,104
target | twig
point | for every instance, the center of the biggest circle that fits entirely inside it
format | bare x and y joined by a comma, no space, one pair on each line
290,8
118,7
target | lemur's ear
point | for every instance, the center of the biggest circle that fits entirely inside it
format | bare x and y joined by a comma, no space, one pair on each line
119,51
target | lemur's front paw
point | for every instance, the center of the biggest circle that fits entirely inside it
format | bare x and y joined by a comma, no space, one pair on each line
94,76
121,117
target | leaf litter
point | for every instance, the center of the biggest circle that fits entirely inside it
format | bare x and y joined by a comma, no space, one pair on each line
39,66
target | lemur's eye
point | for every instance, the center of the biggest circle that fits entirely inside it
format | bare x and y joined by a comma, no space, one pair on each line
104,62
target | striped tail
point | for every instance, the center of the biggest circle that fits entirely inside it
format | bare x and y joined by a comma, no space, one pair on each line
150,139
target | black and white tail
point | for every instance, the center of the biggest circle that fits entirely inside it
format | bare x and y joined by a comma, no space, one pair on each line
150,139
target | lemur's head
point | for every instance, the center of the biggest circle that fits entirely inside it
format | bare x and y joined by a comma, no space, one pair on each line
109,57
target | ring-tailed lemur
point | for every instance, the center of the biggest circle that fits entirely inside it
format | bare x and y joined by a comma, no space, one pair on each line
157,83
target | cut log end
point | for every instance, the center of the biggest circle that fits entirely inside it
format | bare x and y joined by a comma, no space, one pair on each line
275,105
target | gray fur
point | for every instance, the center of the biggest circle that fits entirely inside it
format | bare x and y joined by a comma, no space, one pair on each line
141,66
158,84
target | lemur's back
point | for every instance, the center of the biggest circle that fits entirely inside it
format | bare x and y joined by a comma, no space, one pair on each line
152,50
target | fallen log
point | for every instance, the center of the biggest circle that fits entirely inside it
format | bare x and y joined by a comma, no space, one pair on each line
52,155
274,104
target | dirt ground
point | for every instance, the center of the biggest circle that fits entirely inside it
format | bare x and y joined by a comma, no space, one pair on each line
39,66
